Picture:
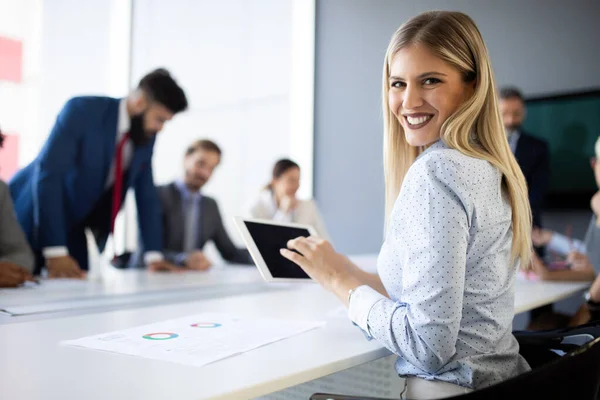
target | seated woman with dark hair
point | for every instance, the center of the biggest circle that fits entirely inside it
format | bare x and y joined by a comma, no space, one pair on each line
16,258
278,201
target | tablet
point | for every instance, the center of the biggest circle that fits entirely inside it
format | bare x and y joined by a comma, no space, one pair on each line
265,239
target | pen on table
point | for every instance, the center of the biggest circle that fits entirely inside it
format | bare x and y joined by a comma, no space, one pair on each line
568,234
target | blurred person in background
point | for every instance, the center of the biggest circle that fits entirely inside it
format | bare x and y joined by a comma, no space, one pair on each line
98,148
531,153
583,256
191,219
16,258
278,201
533,157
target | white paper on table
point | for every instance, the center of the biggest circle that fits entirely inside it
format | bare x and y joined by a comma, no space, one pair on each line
196,340
81,299
75,304
45,286
50,285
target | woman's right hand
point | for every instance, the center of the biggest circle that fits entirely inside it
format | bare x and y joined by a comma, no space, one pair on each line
288,204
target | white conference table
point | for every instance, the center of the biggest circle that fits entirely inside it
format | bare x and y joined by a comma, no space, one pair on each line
112,289
34,366
118,289
533,294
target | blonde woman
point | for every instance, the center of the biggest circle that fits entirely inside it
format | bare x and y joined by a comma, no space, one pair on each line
278,200
458,223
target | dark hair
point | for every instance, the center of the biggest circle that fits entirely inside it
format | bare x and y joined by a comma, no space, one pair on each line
511,92
203,144
281,167
1,139
159,86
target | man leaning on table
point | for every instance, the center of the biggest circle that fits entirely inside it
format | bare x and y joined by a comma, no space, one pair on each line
98,148
16,258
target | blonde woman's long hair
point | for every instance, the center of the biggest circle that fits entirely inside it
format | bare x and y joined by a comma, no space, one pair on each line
475,129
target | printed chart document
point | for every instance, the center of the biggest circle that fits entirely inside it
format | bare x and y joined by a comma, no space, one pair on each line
196,340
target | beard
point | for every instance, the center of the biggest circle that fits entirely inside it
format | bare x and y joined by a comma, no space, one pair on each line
195,183
512,128
138,135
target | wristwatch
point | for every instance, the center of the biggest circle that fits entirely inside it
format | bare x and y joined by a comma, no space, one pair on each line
588,298
350,292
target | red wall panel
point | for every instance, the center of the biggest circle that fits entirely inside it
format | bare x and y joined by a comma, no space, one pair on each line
11,60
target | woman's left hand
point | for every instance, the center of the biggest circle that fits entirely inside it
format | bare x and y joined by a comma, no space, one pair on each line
538,267
322,263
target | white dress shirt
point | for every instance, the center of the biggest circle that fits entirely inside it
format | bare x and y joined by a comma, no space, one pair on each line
513,140
446,265
306,212
123,126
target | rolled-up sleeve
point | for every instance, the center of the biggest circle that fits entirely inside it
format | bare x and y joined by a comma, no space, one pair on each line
431,228
361,302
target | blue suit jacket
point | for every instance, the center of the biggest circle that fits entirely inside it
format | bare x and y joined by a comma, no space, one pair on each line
60,188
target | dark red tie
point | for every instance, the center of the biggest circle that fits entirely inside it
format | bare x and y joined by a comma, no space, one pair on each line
118,186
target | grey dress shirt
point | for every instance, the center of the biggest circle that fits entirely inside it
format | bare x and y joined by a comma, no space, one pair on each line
592,244
13,244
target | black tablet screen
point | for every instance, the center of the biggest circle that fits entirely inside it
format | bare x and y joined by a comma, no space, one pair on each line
269,239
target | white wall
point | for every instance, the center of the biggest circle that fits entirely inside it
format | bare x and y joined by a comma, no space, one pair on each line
82,53
233,59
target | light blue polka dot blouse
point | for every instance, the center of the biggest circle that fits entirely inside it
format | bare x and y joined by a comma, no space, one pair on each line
446,266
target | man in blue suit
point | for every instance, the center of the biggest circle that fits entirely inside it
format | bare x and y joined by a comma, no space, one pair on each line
98,148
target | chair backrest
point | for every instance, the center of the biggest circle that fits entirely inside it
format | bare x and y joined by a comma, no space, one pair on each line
540,348
574,376
592,328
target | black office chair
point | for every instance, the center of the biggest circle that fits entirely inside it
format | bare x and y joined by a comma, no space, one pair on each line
542,347
561,369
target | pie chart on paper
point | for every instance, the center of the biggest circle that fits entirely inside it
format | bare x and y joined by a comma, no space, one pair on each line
206,325
160,336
